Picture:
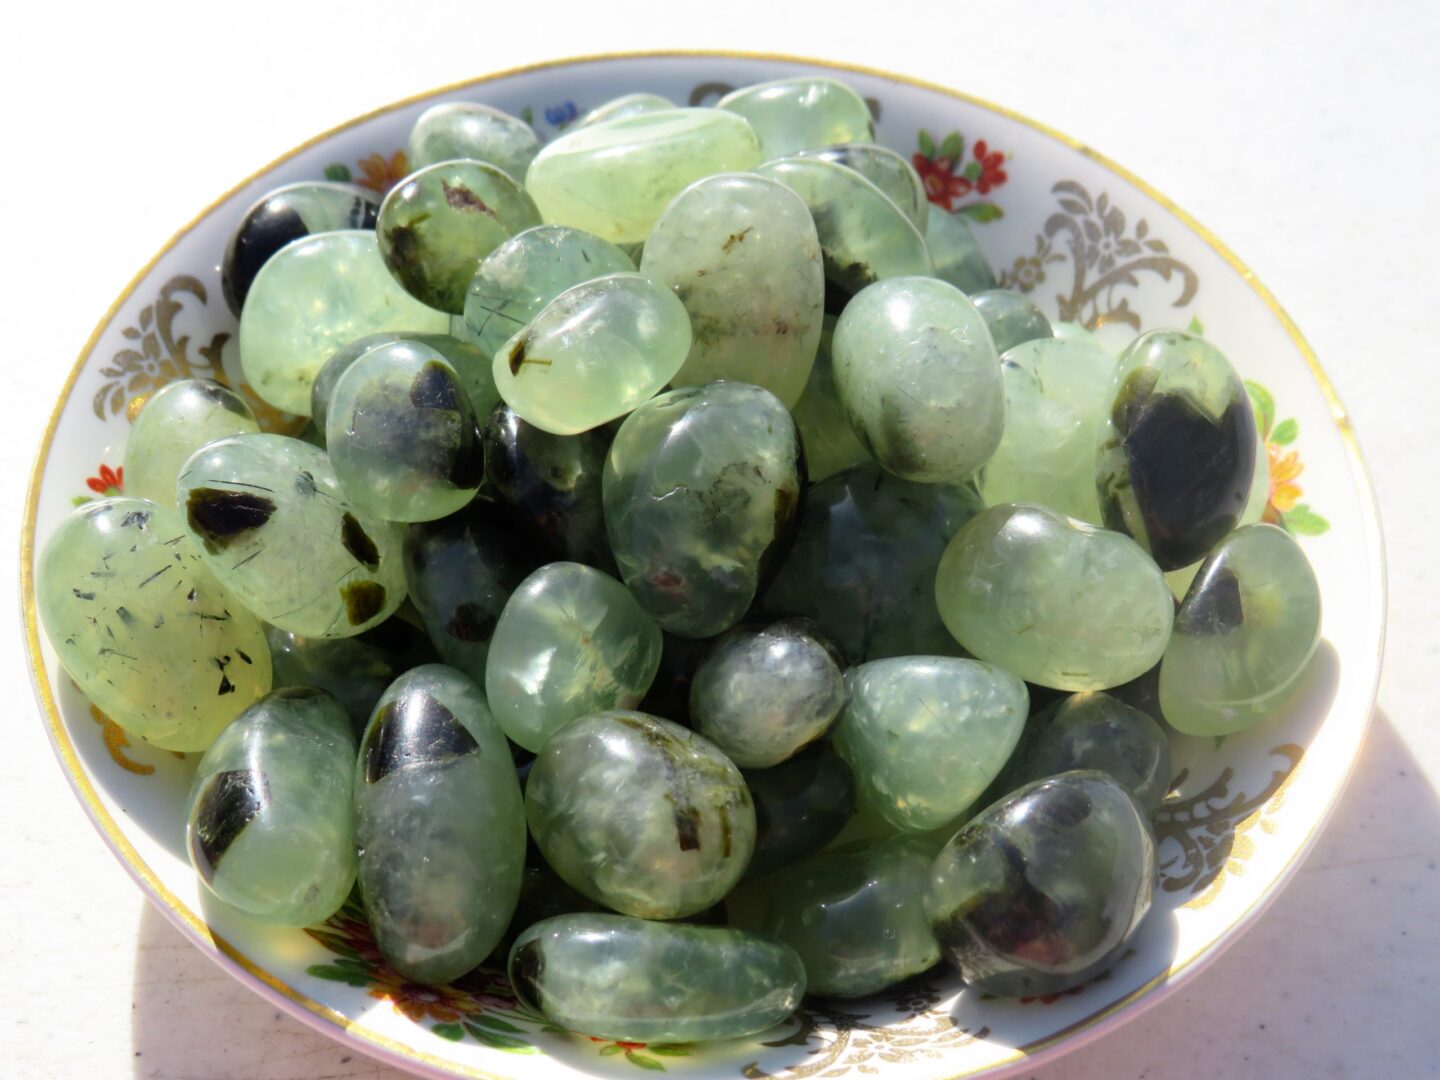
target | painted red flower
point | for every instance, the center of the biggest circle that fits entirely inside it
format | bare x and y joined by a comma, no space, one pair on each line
109,482
992,168
619,1043
942,185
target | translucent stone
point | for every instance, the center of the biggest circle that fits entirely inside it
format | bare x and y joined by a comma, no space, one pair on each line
887,170
1244,635
440,825
274,528
1056,396
1044,890
610,977
1011,318
615,177
831,444
270,825
515,281
355,670
1070,331
956,254
801,113
641,815
856,915
623,106
466,129
289,213
594,353
570,642
176,421
925,735
800,806
742,255
863,565
314,297
701,488
143,627
1056,601
1177,454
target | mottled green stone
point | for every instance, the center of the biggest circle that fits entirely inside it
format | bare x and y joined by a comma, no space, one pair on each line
956,253
887,170
1011,318
178,419
800,806
355,670
623,106
1070,331
801,113
466,129
831,445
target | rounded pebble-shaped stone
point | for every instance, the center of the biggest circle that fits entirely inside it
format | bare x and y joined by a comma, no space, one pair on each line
1011,318
956,254
800,806
800,113
831,445
623,106
355,670
887,170
177,420
467,129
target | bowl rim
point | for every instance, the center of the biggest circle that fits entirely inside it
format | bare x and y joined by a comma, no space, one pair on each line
325,1019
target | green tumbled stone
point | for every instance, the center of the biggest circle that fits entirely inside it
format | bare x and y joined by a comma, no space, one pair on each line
465,129
614,178
623,106
1070,331
742,255
1011,318
1056,601
143,627
831,445
801,113
270,821
800,806
610,977
355,670
640,814
887,170
956,255
178,419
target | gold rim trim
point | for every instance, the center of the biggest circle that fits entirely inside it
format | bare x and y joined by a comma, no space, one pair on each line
180,913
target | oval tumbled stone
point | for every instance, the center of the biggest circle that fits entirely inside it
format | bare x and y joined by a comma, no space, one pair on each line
467,129
178,419
803,112
1011,318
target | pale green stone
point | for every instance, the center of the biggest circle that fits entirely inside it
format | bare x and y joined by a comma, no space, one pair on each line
466,129
570,642
593,354
616,177
640,814
1056,601
270,825
1071,331
919,379
742,255
1011,318
272,524
315,296
801,113
178,419
956,254
888,171
144,628
925,735
610,977
623,106
831,445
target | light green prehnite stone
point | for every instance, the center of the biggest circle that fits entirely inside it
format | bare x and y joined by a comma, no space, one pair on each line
1244,635
919,379
1070,331
801,113
594,353
1056,601
831,444
144,628
516,280
956,254
465,129
742,255
616,177
440,825
271,522
616,978
270,822
623,106
887,170
641,815
570,642
925,735
856,915
179,419
315,296
864,236
1056,396
1011,318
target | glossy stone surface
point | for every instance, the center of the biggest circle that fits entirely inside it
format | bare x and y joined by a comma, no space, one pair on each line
594,353
956,253
887,170
356,671
863,565
467,129
270,824
610,977
742,255
270,520
614,178
800,113
440,824
143,627
800,806
1044,890
1011,318
919,379
177,420
1244,635
623,106
1177,455
831,444
640,814
702,489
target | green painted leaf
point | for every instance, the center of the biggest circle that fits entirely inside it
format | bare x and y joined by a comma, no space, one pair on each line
336,973
527,114
643,1061
953,146
453,1032
80,500
1304,522
981,212
495,1023
338,172
1264,406
1285,432
1195,326
669,1049
499,1042
927,144
609,1050
973,171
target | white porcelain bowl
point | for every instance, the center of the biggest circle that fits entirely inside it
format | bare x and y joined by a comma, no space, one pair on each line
1090,243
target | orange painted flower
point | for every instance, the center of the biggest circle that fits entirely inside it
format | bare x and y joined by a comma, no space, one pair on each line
1284,468
619,1043
109,482
417,1001
382,173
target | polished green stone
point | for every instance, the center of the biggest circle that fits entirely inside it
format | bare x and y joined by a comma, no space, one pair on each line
956,254
800,806
143,627
1011,318
640,814
1056,601
355,670
887,170
313,297
466,129
742,255
176,421
1070,331
270,822
831,445
801,113
614,178
440,824
623,106
701,491
610,977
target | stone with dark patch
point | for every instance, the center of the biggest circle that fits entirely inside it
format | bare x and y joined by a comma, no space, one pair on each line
413,730
363,600
230,801
221,517
434,387
358,542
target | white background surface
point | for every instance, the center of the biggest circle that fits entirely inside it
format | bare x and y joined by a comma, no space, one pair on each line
1303,134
